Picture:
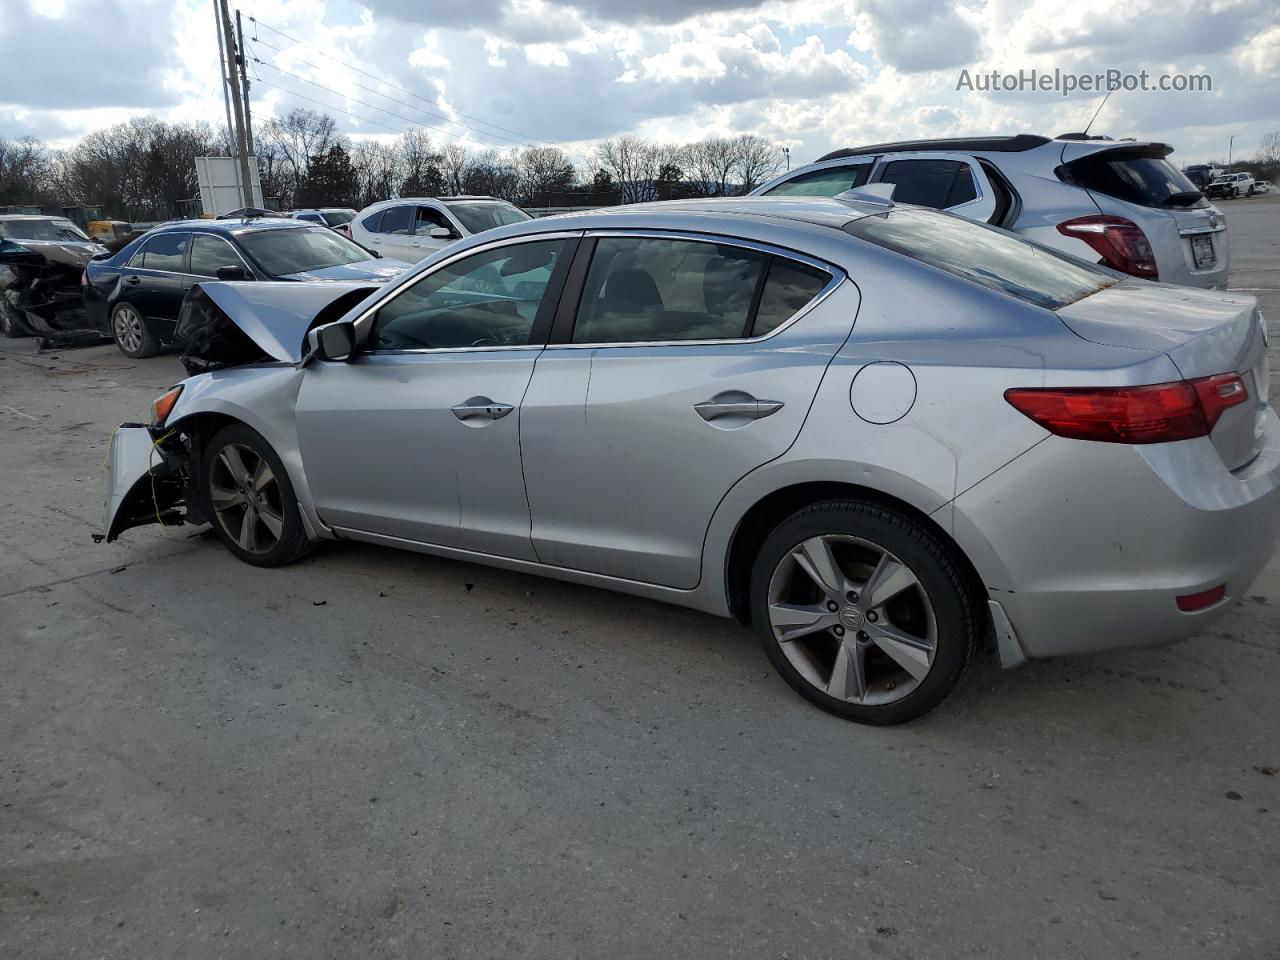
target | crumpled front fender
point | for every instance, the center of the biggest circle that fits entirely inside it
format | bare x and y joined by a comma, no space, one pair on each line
146,480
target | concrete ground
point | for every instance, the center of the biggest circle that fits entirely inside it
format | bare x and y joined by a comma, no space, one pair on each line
375,754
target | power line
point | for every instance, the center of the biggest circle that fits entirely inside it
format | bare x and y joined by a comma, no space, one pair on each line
482,133
523,137
303,96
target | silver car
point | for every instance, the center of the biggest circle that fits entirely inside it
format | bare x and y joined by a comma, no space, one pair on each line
1118,203
879,434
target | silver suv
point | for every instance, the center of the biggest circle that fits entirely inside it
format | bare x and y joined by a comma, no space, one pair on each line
1119,203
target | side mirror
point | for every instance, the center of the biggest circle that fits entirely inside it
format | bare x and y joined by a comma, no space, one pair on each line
440,233
333,341
232,273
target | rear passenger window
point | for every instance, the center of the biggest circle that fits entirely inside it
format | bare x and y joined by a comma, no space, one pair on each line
643,289
823,183
163,252
931,183
653,290
373,222
397,220
789,287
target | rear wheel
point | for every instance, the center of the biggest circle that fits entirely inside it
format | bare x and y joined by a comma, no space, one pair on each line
863,610
131,333
252,504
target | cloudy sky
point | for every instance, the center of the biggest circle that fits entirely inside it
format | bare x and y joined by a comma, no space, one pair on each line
811,74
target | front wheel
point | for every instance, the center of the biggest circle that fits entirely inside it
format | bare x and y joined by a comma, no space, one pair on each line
863,610
131,333
251,501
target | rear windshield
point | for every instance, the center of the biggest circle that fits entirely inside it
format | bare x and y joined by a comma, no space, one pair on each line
478,217
983,254
51,230
1149,181
283,252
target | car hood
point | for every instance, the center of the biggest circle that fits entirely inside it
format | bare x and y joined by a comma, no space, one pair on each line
274,316
377,271
70,254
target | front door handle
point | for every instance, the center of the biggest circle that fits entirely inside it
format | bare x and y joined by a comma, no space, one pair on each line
132,280
481,408
736,404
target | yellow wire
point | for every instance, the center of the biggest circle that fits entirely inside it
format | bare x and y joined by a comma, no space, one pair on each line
155,500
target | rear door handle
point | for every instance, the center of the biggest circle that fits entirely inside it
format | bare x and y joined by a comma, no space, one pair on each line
132,280
481,408
740,405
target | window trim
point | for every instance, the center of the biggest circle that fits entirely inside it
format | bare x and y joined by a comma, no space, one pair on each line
538,337
572,293
217,236
186,254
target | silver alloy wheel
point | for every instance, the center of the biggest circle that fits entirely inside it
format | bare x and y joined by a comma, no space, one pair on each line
126,324
246,498
853,619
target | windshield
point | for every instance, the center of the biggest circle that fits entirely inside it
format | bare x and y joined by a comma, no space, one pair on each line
283,252
478,217
984,254
336,218
1142,178
51,230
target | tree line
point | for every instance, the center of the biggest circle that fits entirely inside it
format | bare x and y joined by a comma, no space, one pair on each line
141,169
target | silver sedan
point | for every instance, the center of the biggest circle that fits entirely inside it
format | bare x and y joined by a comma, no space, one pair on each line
880,435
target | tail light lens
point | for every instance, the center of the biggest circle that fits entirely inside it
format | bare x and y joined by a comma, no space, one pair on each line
1159,413
84,278
1118,241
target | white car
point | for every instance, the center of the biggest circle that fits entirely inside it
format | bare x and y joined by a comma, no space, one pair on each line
1231,185
411,228
1262,186
336,218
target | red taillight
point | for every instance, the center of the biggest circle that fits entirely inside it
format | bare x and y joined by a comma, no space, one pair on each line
1191,602
1158,413
84,278
1120,242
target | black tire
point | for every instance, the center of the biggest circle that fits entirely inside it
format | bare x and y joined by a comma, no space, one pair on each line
280,502
938,572
132,333
10,326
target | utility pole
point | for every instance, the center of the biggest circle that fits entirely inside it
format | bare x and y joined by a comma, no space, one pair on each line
229,76
243,61
222,68
1230,143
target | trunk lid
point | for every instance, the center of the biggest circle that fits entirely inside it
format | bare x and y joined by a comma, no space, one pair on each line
1203,332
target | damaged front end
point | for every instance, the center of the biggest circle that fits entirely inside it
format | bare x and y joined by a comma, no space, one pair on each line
150,480
40,291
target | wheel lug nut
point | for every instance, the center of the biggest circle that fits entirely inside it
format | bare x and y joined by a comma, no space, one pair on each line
872,616
832,606
852,596
838,631
862,635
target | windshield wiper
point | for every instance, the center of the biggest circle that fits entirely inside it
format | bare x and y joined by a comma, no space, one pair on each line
1184,198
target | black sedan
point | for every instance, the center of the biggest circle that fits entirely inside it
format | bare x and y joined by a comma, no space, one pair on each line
135,294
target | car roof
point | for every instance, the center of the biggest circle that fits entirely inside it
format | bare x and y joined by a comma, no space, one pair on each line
233,227
33,216
745,212
1014,144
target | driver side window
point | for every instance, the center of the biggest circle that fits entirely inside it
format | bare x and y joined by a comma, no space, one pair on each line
489,299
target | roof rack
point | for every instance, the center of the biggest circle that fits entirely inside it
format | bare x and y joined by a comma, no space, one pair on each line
1015,144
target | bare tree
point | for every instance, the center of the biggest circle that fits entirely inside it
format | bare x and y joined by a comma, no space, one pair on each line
378,171
453,168
26,171
755,160
543,171
1269,148
492,174
710,166
632,163
300,135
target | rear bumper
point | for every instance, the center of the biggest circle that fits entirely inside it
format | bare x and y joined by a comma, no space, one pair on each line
1087,546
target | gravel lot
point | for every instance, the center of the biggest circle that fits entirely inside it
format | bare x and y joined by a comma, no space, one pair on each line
376,754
